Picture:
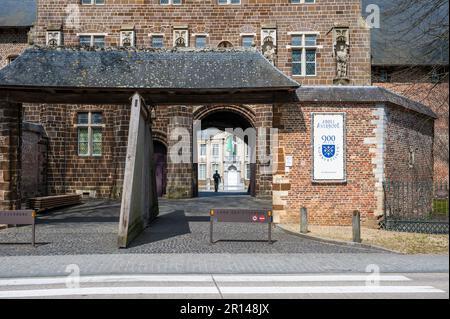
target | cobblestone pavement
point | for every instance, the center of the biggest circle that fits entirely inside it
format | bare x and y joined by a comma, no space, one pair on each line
182,227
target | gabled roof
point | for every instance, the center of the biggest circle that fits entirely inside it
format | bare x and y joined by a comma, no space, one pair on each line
17,13
408,33
362,94
186,69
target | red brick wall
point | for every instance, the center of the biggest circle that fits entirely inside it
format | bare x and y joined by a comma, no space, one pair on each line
435,96
68,172
10,153
223,23
327,204
407,130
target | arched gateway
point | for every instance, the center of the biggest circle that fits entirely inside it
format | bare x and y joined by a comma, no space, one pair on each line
336,145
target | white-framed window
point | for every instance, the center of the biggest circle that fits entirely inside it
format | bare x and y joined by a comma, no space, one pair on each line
169,2
304,54
202,172
202,149
200,41
248,40
302,1
157,41
11,58
92,40
93,2
247,171
214,168
215,151
225,2
90,133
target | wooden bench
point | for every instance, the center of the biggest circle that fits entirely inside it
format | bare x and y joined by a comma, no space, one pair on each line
40,204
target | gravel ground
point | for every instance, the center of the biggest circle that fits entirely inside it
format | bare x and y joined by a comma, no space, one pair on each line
407,243
182,227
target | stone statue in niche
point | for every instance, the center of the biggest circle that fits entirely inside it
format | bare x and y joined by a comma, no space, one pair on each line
269,47
341,52
269,50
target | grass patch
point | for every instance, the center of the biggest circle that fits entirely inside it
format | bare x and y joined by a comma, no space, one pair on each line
407,243
440,207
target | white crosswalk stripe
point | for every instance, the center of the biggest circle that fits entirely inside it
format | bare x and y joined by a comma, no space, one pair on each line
211,285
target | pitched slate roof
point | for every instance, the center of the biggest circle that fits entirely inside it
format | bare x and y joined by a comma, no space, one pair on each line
17,13
363,94
186,69
401,38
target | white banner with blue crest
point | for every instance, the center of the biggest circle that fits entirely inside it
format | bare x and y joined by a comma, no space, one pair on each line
328,147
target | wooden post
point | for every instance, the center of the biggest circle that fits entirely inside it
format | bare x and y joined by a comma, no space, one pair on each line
33,238
303,220
356,223
211,225
269,216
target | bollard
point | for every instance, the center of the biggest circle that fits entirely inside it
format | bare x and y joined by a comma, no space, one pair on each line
356,225
303,220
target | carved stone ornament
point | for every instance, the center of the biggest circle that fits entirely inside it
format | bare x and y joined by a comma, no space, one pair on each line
127,38
180,38
53,38
342,54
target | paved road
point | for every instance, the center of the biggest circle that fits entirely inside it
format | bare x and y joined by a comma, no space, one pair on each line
182,227
212,286
42,266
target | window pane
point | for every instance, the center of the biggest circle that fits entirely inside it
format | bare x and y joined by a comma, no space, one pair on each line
310,55
215,150
310,62
99,41
296,40
310,40
97,118
222,1
295,1
164,1
97,141
310,1
296,55
83,118
235,1
86,1
202,172
85,40
99,1
247,41
83,141
297,68
157,41
202,149
176,1
200,41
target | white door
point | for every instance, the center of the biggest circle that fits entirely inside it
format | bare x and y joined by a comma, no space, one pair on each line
232,178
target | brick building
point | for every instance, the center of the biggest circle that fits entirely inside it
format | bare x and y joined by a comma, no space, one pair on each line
409,60
322,47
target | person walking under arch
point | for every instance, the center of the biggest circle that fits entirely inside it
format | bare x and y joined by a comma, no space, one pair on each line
217,180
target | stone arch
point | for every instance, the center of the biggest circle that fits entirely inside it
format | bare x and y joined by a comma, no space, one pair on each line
225,44
160,136
243,110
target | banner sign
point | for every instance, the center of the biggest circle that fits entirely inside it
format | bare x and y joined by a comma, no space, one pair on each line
328,143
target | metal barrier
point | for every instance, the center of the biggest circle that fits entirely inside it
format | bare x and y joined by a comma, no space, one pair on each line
240,216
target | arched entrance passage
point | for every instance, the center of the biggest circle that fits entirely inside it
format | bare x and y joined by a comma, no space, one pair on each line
160,162
228,153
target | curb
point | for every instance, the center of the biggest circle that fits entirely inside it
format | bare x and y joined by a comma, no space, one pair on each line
337,242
